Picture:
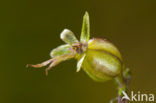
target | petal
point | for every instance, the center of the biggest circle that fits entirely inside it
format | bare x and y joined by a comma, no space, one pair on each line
79,64
61,50
85,33
68,37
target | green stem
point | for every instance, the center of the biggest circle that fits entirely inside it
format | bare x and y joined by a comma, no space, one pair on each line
121,87
123,82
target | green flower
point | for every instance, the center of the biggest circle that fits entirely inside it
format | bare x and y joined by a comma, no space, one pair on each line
99,58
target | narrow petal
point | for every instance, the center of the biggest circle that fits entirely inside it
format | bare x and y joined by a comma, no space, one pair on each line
79,64
85,33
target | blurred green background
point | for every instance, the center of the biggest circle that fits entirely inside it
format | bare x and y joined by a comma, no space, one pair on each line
30,29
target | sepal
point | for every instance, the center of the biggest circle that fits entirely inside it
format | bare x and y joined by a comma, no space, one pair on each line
61,50
85,33
68,37
79,63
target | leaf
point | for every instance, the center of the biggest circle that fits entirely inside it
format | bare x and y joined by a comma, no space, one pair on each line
85,33
61,50
68,37
79,64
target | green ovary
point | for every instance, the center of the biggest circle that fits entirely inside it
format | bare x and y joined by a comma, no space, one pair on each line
101,66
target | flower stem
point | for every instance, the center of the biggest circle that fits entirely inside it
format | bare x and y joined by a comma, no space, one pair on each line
123,83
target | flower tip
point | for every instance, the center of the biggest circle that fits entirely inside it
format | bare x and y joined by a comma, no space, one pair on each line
64,32
86,14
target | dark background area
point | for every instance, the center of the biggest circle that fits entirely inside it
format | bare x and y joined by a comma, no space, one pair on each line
30,29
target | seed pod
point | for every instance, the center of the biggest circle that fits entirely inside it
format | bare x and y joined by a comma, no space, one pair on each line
102,60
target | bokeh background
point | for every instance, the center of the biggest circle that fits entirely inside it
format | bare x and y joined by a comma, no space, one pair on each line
30,29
